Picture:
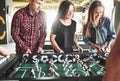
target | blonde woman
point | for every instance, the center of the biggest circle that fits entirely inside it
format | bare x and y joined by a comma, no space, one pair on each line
98,31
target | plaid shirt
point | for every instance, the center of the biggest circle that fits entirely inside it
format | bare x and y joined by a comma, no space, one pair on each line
28,32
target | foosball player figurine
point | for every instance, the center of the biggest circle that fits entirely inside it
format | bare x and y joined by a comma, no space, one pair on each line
32,73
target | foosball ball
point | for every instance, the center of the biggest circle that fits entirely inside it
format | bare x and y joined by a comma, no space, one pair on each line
56,66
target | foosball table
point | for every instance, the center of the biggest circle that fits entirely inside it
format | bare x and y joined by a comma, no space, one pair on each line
74,66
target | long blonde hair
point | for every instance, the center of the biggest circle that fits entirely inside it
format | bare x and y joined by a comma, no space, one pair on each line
90,16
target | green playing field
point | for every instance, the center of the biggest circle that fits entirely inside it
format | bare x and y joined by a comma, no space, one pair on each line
70,69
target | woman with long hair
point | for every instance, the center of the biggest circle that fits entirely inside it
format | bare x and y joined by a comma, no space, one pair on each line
62,35
98,30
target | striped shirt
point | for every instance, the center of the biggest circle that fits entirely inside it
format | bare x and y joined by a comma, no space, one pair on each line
28,32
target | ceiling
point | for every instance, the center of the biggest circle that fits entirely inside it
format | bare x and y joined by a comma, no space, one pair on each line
81,5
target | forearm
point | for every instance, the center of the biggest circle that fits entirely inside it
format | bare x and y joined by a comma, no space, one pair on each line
43,34
54,43
75,42
4,51
19,41
55,46
108,44
42,40
94,46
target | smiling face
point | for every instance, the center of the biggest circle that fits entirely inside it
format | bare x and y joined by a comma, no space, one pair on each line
98,12
70,12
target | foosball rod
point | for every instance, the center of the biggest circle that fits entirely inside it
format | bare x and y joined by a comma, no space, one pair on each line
84,65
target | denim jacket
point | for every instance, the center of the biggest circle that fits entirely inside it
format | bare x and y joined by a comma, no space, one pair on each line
106,31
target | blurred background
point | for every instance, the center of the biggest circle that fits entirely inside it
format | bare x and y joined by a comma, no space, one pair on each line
9,7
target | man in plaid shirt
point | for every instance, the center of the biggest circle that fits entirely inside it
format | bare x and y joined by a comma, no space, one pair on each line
28,28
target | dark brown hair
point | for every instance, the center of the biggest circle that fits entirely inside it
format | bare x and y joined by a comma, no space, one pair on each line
63,9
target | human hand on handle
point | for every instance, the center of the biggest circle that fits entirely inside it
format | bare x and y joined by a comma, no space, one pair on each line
40,50
28,51
80,49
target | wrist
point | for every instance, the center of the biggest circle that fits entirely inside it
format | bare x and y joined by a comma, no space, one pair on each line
77,46
60,51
